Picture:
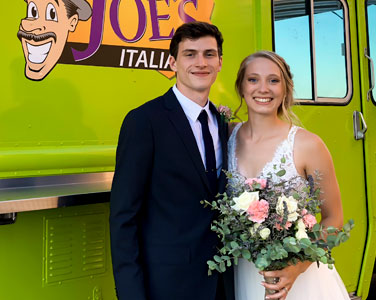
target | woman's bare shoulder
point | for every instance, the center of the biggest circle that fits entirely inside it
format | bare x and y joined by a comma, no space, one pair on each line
308,140
310,146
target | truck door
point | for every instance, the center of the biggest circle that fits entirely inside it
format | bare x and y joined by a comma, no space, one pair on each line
367,54
319,40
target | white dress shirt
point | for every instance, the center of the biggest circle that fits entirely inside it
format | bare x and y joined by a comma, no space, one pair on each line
192,110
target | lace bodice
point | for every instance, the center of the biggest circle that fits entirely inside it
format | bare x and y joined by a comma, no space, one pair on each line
284,150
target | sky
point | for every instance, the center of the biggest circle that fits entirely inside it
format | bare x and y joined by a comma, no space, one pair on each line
292,41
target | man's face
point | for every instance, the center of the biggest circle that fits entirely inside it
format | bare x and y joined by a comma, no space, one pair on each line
197,65
43,34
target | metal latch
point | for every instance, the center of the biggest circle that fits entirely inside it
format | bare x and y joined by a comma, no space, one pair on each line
372,74
359,129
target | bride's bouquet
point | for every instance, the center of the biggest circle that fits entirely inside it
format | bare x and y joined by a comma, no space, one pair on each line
272,223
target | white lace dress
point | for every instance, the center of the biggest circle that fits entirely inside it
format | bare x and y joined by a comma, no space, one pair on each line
315,283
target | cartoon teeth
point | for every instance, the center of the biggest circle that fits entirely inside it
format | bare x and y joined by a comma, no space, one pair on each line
37,54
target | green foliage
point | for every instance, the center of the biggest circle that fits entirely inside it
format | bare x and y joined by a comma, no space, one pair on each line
291,245
242,238
281,173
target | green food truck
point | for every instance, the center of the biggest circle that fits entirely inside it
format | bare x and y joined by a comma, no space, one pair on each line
66,92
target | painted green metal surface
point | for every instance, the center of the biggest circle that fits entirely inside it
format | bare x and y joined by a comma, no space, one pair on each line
57,254
69,123
369,110
334,124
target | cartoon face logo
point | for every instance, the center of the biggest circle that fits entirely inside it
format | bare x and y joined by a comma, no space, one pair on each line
44,32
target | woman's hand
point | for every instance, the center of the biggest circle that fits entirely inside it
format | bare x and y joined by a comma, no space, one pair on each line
287,277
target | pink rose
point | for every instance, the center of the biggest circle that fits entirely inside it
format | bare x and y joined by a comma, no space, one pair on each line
309,220
260,181
258,211
279,227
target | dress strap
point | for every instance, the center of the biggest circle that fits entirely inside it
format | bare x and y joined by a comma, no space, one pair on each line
232,164
291,135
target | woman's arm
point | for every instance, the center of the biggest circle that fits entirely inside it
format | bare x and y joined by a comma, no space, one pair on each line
311,156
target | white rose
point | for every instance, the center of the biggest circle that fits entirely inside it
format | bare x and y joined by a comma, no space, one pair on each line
292,206
264,233
300,225
254,228
244,200
301,233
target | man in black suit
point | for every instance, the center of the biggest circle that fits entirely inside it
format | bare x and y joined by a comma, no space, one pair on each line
170,155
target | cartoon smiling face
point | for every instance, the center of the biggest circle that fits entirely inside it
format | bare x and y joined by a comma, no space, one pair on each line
43,34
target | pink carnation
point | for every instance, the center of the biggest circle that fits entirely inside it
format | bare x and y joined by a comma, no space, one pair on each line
279,227
258,211
260,181
309,220
225,110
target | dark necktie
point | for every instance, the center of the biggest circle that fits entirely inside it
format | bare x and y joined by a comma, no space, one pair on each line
211,169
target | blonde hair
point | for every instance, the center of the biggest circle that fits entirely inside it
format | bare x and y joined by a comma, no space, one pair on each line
284,110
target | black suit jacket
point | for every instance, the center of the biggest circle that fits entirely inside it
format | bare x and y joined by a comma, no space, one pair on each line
160,233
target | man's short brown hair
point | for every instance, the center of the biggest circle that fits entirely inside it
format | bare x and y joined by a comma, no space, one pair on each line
194,31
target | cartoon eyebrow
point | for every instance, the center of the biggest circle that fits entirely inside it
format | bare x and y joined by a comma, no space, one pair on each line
57,2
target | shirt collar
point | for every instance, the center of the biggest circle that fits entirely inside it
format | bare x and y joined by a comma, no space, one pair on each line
191,109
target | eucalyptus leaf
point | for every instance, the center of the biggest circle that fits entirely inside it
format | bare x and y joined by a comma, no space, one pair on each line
211,265
320,252
316,227
344,238
236,253
331,238
305,243
244,236
217,258
331,229
324,259
246,254
222,267
262,262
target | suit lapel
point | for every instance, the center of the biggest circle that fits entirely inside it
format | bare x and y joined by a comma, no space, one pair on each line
222,133
181,124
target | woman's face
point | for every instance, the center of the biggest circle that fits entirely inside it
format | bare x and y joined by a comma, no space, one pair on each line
263,86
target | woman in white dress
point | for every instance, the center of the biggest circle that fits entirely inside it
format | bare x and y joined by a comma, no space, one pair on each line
265,83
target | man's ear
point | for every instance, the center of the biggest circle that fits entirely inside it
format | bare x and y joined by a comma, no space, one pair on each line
220,63
172,62
73,21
